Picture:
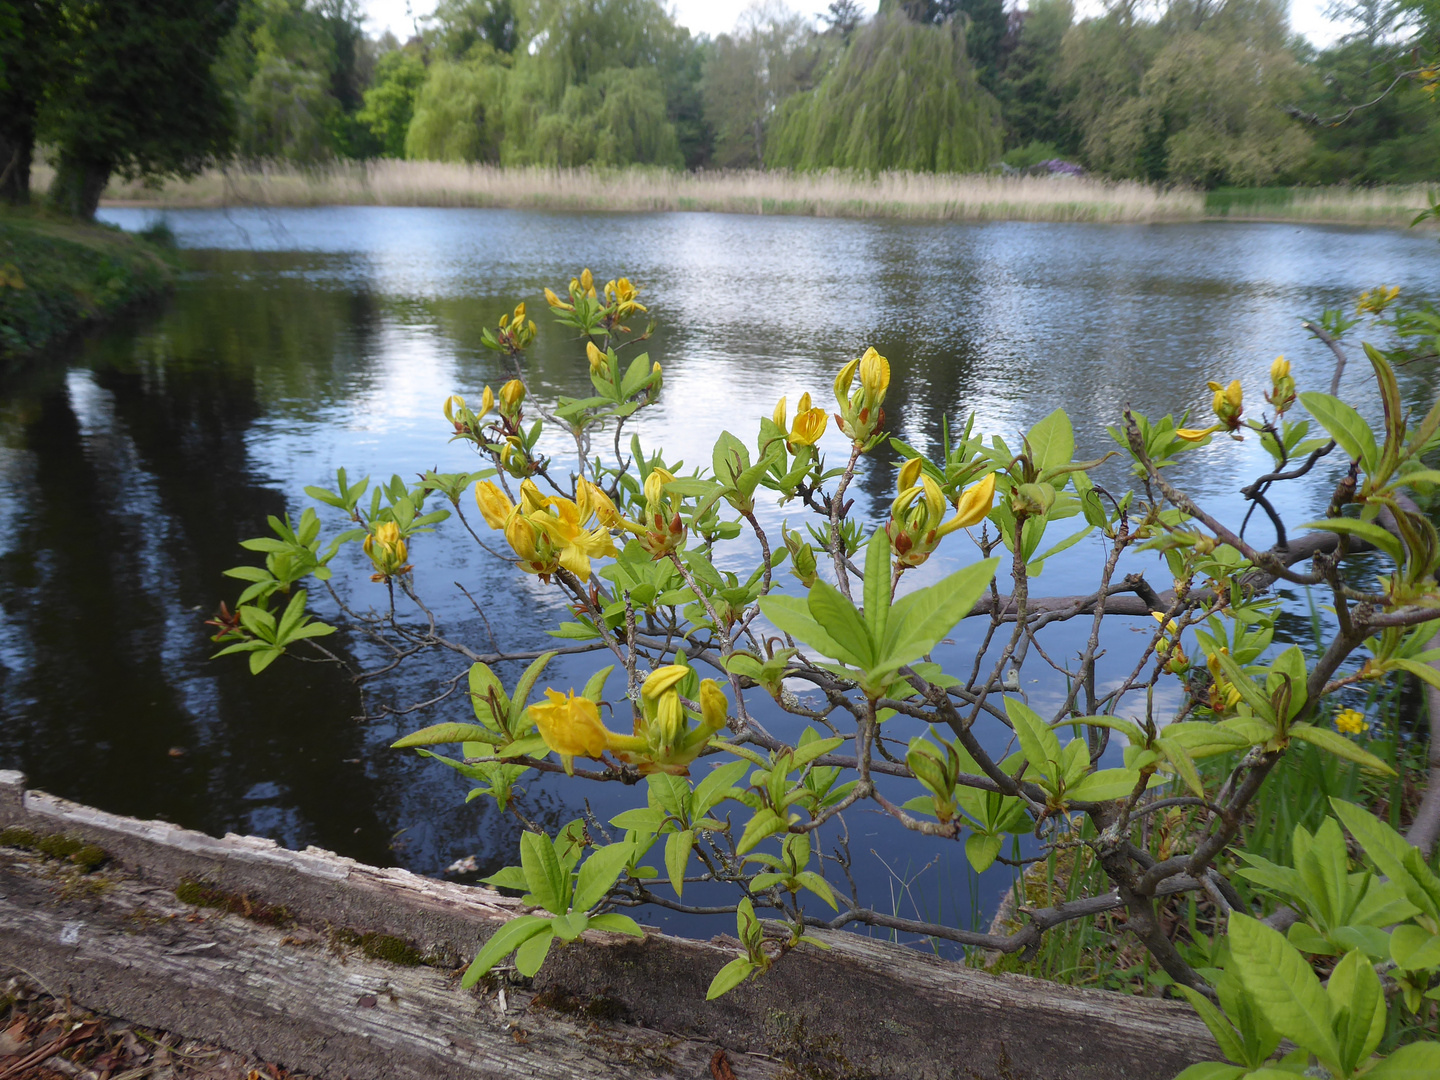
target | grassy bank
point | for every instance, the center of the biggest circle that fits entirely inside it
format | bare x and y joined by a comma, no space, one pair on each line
913,196
1396,205
58,275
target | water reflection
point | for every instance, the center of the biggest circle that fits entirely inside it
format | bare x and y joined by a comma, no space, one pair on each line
303,340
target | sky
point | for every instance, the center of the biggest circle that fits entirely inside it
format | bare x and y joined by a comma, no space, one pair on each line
718,16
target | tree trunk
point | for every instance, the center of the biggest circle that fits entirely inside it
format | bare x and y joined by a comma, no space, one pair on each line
78,185
17,146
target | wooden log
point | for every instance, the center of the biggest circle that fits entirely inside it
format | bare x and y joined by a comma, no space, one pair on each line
120,942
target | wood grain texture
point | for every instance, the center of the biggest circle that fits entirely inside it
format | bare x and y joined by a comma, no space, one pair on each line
863,1009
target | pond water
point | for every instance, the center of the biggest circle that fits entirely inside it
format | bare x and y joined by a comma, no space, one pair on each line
302,340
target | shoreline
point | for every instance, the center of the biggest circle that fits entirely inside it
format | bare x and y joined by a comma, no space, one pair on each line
887,196
59,277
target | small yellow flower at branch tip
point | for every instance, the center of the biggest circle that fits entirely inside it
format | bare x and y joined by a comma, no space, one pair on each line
599,362
1375,301
810,423
1282,386
714,705
571,727
512,394
1279,369
874,373
1227,403
1350,721
387,551
1196,434
555,301
974,503
487,401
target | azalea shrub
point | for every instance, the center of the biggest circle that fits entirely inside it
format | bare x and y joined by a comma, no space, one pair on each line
699,611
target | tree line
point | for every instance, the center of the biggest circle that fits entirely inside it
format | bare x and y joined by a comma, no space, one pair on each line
1203,92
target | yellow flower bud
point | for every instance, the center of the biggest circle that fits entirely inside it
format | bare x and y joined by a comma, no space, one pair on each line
662,679
487,402
531,498
599,362
519,313
655,486
669,724
843,381
555,301
495,506
975,503
714,706
779,414
587,282
1279,369
909,473
512,394
874,375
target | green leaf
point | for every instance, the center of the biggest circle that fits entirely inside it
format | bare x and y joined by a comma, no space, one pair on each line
677,857
1283,986
1355,987
1340,746
766,822
1184,766
829,608
1418,1061
1214,1070
729,977
808,752
1105,785
509,877
1414,948
525,685
1038,741
548,883
1246,685
1051,441
981,849
598,874
595,688
877,584
791,615
502,943
1225,1036
616,923
646,819
571,926
1345,426
712,789
1366,530
1388,850
438,734
819,886
920,619
530,955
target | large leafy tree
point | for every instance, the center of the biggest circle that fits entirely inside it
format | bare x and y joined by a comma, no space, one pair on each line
28,32
133,91
903,96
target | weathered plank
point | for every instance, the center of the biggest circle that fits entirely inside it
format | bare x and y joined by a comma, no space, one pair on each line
865,1008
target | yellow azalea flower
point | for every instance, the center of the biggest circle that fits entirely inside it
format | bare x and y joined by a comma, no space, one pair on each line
860,410
809,423
536,554
531,498
584,284
974,504
916,524
1375,301
495,506
387,551
574,543
778,416
1227,403
555,301
454,406
1350,721
1282,386
512,394
571,727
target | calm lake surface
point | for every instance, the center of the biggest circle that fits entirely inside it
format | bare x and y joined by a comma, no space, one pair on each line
303,340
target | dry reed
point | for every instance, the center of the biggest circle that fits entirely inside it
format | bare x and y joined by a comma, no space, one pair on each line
915,196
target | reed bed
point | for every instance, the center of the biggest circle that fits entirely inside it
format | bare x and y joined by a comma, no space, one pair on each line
913,196
926,197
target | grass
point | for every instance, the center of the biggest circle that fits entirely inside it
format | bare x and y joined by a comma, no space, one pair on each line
1392,205
913,196
905,196
56,275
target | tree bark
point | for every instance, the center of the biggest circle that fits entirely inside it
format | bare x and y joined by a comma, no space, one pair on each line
79,183
17,147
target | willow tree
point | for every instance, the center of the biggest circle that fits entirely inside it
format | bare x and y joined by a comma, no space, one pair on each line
902,96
